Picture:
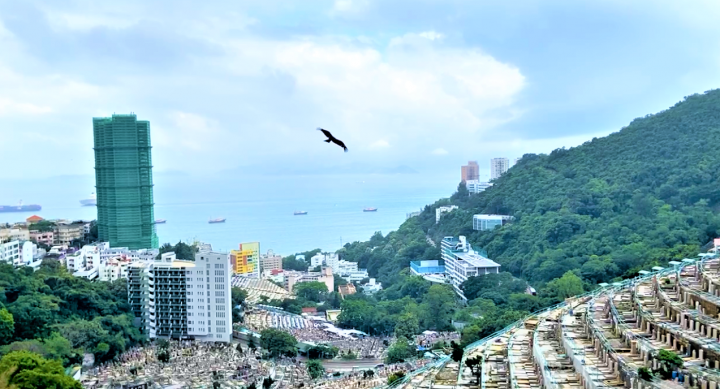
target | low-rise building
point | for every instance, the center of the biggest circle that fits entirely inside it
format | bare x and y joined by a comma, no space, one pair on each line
477,186
10,253
484,222
443,210
15,233
43,237
325,275
66,233
346,290
33,219
461,262
356,276
270,261
422,268
114,269
28,253
372,287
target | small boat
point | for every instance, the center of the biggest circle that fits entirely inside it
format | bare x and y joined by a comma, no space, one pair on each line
220,220
160,221
370,210
300,213
89,202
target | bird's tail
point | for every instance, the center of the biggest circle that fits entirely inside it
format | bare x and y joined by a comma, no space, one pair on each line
328,140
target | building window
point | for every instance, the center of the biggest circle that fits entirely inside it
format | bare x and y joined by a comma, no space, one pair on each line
220,293
219,308
219,301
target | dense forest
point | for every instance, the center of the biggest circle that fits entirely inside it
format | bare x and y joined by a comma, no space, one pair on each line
595,213
61,317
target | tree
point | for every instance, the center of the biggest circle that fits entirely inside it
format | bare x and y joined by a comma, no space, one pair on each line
267,382
290,263
475,365
407,326
438,306
457,351
315,369
355,314
239,296
278,343
7,326
31,371
311,291
566,286
400,351
251,343
398,375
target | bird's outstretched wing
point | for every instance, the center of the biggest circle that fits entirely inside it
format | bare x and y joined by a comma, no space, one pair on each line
327,133
340,143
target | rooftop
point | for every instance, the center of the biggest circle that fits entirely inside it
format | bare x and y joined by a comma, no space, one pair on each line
471,259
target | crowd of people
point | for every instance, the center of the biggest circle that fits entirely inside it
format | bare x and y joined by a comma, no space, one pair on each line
193,364
293,374
429,338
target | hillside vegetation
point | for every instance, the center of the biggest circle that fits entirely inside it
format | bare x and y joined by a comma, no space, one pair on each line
606,209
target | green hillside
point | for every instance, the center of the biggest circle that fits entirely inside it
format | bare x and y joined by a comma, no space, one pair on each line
606,209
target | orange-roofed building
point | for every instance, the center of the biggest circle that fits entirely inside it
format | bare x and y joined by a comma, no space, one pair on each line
34,219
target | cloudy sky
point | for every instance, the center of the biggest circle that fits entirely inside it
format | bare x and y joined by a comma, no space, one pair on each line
242,84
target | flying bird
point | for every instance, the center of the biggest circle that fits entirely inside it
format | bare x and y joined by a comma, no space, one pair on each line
332,139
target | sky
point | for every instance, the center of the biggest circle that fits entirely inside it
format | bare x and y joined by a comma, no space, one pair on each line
241,85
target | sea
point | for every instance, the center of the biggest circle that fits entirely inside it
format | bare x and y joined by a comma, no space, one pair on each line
256,208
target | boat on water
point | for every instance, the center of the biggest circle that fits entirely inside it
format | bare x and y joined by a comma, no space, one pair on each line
300,213
370,210
89,202
219,220
160,221
20,208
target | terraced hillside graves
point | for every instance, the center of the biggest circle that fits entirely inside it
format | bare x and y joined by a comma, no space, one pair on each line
664,324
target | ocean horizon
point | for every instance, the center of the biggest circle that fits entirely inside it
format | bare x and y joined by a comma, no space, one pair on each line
256,208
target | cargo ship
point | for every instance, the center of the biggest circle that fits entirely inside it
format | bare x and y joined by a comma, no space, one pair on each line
220,220
160,221
90,202
300,213
20,208
370,210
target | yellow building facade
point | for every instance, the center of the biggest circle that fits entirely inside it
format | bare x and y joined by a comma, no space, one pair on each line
246,260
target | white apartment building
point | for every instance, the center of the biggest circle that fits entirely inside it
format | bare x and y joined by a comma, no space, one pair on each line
113,269
476,186
325,276
28,253
178,299
461,262
355,275
443,210
85,259
498,167
484,222
10,253
333,261
372,287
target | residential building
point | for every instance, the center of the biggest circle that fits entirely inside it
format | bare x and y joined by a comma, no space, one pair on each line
124,184
114,269
85,259
47,237
28,253
66,233
517,160
443,210
461,262
246,260
325,275
10,253
346,290
356,275
498,167
484,222
471,171
270,261
178,299
317,260
372,287
476,186
14,233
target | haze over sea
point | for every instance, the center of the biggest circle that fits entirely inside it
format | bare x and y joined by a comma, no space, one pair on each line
257,208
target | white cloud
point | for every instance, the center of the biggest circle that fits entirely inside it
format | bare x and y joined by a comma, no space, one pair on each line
432,35
439,151
9,107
